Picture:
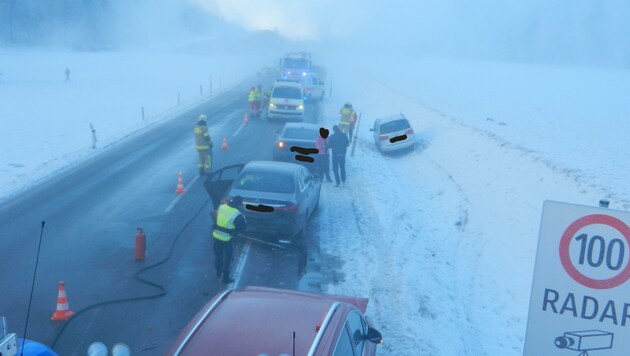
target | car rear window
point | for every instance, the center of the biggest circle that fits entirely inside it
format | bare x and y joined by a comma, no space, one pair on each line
299,133
286,93
393,126
261,181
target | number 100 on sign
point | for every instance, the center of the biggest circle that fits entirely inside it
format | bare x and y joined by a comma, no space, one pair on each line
595,251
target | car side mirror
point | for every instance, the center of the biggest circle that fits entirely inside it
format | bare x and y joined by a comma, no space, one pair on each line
277,132
371,129
374,336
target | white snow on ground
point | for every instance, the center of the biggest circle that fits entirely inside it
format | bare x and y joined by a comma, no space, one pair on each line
45,121
442,240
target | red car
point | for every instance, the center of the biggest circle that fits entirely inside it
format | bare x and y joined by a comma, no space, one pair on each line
267,321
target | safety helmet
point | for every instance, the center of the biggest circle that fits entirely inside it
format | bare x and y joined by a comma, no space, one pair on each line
202,117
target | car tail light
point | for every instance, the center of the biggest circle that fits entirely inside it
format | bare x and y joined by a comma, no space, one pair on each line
281,144
291,208
409,132
383,137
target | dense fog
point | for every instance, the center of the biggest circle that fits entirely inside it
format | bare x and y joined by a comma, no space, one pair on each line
573,32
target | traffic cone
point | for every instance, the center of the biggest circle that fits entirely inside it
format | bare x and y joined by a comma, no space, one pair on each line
245,120
224,145
180,185
63,312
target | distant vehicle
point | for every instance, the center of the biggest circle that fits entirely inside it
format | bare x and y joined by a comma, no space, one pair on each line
295,65
313,87
296,144
393,133
286,100
278,197
267,321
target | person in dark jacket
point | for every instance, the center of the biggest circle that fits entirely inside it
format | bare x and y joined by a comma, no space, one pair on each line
338,144
228,223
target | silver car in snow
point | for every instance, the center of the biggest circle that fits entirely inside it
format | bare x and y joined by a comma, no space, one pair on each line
393,133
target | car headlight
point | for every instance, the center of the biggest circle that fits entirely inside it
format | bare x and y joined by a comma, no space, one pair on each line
272,106
300,107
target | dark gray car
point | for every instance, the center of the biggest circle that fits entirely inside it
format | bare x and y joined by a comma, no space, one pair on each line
278,197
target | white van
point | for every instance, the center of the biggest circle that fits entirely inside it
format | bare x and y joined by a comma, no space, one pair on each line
313,87
286,100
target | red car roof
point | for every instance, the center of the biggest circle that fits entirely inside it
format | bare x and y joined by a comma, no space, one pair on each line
260,320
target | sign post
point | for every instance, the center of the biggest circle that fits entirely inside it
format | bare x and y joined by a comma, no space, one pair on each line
580,298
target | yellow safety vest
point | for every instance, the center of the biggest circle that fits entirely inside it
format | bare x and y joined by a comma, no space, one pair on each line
251,96
345,116
225,220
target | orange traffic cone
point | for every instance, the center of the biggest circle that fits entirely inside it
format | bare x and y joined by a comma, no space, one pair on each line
180,184
63,312
224,145
245,120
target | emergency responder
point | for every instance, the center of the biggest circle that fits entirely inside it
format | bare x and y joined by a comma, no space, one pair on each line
251,98
203,145
344,121
338,144
228,223
323,158
257,99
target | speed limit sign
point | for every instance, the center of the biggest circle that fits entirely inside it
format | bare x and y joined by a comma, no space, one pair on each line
581,291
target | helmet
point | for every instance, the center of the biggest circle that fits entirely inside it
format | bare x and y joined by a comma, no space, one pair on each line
202,117
348,105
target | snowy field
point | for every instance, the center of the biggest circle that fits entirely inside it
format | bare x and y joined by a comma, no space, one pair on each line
442,240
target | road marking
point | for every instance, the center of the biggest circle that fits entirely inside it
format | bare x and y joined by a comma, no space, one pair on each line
239,130
170,207
241,264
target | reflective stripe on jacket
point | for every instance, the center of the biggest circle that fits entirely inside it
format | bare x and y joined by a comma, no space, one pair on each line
202,138
225,222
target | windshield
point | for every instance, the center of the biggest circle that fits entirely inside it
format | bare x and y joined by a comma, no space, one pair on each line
295,63
286,93
265,181
393,126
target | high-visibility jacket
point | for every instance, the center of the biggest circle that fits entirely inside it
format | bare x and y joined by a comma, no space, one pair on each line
202,138
252,95
225,227
345,116
257,95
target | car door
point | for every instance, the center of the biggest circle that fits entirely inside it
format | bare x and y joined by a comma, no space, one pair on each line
302,196
219,182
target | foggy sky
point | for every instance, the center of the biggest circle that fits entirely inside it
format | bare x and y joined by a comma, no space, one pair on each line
589,31
563,31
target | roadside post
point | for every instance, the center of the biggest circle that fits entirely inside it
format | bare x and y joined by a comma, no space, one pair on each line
580,299
356,132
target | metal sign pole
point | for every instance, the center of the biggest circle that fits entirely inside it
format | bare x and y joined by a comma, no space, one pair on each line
356,132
